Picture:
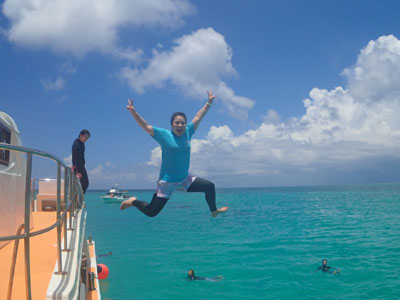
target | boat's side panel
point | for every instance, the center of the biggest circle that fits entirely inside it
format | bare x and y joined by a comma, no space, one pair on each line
12,180
67,286
92,267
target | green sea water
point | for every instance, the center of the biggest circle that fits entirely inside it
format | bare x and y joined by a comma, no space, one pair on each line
267,246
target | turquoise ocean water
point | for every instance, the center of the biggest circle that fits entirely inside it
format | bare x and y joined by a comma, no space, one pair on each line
267,246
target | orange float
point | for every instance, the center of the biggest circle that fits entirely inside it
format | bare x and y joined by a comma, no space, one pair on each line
102,271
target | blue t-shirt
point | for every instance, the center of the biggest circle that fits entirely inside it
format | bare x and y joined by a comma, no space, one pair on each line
175,158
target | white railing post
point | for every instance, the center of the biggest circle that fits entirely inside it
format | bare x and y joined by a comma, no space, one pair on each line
27,226
58,219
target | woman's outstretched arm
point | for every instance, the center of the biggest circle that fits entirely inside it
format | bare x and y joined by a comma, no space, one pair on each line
202,112
142,122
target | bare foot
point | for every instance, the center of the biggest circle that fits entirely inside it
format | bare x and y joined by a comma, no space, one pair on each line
219,211
127,203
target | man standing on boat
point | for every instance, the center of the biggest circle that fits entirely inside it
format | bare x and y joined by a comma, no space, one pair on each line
78,158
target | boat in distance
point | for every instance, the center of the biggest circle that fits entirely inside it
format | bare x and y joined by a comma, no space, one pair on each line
114,194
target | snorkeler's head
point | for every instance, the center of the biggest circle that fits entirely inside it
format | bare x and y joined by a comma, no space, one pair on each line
191,273
324,261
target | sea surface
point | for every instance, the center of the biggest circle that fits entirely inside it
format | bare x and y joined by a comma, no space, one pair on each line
267,246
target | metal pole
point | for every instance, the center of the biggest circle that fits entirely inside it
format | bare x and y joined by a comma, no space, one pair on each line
13,262
33,193
71,195
58,218
65,207
75,196
27,226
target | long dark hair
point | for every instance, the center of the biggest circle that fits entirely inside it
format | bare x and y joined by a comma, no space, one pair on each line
178,114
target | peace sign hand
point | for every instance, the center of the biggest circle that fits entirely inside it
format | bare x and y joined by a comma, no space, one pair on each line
130,106
211,97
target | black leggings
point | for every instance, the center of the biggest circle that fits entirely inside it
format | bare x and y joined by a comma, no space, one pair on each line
157,203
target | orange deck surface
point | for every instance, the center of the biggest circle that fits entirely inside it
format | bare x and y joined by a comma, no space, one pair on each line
43,253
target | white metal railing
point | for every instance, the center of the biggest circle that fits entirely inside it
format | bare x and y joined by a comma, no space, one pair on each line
73,200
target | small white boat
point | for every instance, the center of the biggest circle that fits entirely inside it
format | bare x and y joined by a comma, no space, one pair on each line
115,195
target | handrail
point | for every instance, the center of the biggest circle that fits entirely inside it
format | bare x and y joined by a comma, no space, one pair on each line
33,151
35,233
72,190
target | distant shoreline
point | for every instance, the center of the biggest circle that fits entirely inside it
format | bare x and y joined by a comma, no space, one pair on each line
279,188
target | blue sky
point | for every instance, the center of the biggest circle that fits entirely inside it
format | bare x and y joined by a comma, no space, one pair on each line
308,92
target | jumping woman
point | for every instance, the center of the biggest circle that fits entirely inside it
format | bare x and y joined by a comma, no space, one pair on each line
174,173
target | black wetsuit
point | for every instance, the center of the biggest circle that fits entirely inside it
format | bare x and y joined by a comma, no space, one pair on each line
78,161
157,203
325,268
212,279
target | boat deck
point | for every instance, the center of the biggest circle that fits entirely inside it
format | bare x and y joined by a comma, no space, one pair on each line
43,253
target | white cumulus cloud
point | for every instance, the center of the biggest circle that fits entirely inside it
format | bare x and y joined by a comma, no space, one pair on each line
68,160
108,173
53,85
347,130
65,71
81,26
198,62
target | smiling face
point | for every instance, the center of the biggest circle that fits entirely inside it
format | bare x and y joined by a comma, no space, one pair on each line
179,125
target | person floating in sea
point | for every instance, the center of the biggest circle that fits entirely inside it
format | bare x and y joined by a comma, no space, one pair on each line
327,269
78,158
105,254
174,173
192,276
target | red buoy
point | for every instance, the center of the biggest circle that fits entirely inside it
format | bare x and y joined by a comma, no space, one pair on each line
102,271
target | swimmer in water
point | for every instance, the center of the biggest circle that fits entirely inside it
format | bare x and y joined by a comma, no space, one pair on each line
327,269
191,276
105,254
